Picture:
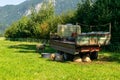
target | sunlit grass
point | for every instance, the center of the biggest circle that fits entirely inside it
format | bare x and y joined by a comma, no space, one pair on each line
19,61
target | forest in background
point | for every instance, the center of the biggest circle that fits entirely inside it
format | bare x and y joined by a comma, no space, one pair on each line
39,25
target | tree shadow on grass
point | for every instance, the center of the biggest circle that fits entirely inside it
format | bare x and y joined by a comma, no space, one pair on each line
111,57
24,48
48,49
31,48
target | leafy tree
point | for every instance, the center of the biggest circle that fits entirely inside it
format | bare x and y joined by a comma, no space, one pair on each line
101,12
84,14
32,26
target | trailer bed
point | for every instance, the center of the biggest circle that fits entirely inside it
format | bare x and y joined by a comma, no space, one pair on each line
72,48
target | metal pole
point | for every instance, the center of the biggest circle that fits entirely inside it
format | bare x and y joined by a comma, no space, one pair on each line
110,27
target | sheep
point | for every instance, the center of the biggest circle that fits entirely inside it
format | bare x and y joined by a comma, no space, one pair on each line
40,47
56,57
52,56
86,58
77,59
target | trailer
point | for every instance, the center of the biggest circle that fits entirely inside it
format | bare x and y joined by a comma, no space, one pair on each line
69,41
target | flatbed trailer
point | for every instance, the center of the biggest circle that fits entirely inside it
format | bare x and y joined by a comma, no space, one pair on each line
84,43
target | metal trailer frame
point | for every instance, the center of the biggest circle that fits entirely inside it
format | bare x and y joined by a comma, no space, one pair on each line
72,48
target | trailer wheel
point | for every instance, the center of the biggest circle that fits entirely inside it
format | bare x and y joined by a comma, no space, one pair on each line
68,57
93,55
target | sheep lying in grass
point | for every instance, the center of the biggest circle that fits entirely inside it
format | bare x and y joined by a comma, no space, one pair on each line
56,57
86,58
52,56
40,47
77,59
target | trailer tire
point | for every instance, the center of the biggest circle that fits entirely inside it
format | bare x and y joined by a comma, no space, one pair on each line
93,55
68,57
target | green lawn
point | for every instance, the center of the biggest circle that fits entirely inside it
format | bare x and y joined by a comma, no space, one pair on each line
19,61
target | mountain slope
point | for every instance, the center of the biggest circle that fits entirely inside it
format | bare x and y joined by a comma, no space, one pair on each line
11,13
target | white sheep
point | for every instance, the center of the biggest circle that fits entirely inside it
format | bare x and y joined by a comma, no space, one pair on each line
40,47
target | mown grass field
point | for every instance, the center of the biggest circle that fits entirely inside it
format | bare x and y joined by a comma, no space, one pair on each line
19,61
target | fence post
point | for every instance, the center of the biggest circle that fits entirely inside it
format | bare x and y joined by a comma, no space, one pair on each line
110,27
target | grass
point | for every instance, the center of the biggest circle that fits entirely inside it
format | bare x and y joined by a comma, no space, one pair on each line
19,61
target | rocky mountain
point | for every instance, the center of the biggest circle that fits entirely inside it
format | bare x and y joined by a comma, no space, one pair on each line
11,13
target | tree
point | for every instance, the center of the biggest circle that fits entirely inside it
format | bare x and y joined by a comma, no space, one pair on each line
101,12
32,26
